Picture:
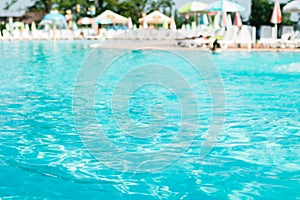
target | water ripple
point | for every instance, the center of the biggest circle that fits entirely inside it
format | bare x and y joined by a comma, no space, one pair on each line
42,156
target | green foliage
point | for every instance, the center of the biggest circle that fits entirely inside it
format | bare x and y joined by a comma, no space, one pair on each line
132,8
164,5
261,12
69,4
286,19
179,19
135,8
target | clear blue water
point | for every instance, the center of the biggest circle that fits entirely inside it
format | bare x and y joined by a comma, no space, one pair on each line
257,155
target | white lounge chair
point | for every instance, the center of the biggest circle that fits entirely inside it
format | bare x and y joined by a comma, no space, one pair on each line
292,41
17,34
35,35
287,37
67,34
229,37
296,39
26,35
244,37
266,37
220,33
44,34
7,36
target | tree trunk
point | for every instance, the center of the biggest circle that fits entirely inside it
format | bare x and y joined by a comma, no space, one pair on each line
47,5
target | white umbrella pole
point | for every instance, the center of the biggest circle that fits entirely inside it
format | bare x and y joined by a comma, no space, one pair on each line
275,35
210,20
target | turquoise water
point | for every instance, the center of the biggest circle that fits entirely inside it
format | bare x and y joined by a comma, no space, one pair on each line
257,154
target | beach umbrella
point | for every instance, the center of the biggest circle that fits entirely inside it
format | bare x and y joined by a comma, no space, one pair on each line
143,21
27,27
217,21
103,21
209,15
238,20
113,17
55,18
276,16
204,19
229,20
193,6
82,21
293,6
173,24
129,23
156,17
224,19
166,25
85,21
33,26
224,5
145,24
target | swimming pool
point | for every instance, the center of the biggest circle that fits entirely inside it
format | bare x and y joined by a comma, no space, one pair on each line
42,154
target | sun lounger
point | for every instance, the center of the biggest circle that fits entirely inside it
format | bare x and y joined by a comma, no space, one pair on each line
6,36
36,34
266,37
205,30
290,41
287,30
288,37
44,35
67,34
229,37
297,40
244,36
26,35
220,33
17,35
